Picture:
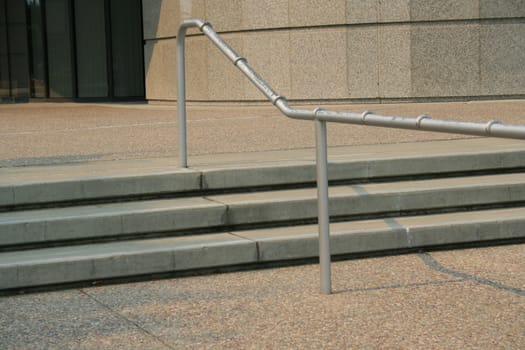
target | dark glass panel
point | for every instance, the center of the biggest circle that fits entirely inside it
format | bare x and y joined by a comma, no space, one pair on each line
59,50
4,58
127,51
38,55
17,48
91,48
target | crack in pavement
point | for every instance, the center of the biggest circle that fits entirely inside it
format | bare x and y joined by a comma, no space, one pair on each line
142,329
433,264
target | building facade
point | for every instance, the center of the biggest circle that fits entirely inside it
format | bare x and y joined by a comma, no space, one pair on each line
308,50
343,50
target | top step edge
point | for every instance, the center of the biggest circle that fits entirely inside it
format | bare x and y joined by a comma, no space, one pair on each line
19,188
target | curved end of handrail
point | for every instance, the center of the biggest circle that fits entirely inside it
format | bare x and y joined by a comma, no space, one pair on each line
192,22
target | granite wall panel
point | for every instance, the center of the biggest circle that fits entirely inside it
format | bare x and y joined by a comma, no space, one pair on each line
318,64
502,63
257,14
225,82
439,10
304,13
445,60
394,62
394,10
269,54
501,8
358,11
363,62
225,15
342,49
160,70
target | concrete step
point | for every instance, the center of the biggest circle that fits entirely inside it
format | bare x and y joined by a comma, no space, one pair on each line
267,207
93,262
110,181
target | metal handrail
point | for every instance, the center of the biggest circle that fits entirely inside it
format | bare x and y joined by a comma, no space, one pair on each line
492,128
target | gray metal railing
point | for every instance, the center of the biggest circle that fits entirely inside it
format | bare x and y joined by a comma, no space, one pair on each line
492,128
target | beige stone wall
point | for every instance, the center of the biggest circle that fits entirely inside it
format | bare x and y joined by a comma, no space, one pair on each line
343,49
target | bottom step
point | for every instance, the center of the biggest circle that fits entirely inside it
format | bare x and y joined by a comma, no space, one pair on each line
50,266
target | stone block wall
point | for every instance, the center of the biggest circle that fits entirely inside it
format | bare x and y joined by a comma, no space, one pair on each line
342,50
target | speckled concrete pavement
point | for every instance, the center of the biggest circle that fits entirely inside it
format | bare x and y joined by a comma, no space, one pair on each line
461,299
53,133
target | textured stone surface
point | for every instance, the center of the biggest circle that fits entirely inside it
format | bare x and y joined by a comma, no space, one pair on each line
394,10
428,60
358,11
507,269
390,233
435,10
358,199
224,15
118,259
502,58
7,195
316,12
38,192
258,14
363,62
501,8
108,220
445,60
206,251
66,320
87,136
394,62
318,63
225,82
269,54
415,305
160,69
197,77
259,175
89,262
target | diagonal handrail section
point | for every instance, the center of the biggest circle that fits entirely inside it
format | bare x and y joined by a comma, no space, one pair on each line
493,128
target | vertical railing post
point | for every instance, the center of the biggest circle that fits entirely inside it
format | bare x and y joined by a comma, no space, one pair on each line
322,206
181,97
